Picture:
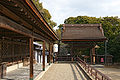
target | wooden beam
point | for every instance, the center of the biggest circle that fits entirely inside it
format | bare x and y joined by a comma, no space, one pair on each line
65,40
35,17
13,16
17,18
34,9
21,12
31,58
10,25
11,34
43,55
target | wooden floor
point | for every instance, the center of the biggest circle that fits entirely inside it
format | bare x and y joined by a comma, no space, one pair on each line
63,71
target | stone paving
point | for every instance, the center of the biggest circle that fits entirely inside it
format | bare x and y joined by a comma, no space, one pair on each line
113,73
63,71
23,73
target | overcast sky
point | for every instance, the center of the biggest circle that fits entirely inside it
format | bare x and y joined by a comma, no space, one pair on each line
62,9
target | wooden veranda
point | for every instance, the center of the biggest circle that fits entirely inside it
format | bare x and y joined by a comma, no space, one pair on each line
21,24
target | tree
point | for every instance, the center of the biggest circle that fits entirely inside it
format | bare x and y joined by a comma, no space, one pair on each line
44,12
58,32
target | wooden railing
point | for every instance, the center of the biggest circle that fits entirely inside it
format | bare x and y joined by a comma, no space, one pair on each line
66,58
97,75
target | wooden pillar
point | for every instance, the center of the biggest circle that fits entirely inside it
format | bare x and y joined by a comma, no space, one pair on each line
31,57
40,57
91,59
106,52
72,54
43,55
52,52
49,53
59,47
93,54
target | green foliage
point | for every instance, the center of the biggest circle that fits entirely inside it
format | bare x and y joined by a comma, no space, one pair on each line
60,26
111,27
38,5
58,32
44,12
82,20
52,23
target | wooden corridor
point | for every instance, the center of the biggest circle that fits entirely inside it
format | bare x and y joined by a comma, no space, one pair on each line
63,71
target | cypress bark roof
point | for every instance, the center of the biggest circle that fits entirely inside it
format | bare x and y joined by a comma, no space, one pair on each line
83,32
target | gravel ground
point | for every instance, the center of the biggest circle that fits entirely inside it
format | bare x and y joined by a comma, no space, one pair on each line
63,71
113,73
23,73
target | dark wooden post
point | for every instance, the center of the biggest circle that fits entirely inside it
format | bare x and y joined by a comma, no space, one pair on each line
52,52
93,54
49,53
31,58
72,53
59,47
91,59
40,56
43,55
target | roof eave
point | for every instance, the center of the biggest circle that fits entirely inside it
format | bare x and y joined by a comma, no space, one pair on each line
42,18
102,39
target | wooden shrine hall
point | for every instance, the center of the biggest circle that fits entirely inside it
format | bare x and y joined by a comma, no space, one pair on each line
21,24
82,36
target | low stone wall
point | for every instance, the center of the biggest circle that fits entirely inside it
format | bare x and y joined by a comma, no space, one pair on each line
13,67
7,67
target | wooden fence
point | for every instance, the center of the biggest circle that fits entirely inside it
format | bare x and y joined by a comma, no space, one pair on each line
97,75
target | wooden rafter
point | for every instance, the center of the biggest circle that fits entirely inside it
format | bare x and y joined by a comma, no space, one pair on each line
29,18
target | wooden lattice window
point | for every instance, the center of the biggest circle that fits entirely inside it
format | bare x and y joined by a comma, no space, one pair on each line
13,50
4,49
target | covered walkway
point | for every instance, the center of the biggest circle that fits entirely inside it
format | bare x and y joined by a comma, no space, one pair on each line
64,71
21,24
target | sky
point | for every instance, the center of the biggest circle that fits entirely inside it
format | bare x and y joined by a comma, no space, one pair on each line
63,9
